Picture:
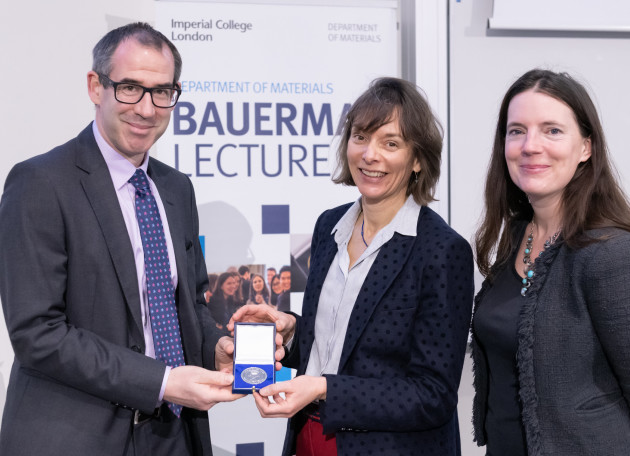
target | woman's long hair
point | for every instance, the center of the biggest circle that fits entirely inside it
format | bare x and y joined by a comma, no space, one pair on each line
592,199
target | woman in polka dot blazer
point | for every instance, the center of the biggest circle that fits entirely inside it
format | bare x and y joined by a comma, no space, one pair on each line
380,346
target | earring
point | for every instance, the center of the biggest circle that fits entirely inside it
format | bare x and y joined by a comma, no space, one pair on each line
416,179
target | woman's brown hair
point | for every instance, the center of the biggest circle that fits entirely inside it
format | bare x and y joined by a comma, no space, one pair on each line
592,199
385,99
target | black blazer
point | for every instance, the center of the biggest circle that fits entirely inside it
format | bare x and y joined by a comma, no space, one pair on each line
71,303
573,355
404,349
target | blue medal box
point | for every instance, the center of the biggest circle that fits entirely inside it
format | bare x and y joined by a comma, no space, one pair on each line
254,356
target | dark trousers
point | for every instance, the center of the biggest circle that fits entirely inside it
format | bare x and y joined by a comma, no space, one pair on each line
163,435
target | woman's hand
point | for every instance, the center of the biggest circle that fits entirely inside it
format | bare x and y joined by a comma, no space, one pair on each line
298,393
252,313
259,299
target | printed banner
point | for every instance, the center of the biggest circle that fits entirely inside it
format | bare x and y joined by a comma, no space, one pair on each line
264,92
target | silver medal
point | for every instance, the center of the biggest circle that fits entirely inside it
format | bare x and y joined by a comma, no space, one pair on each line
254,375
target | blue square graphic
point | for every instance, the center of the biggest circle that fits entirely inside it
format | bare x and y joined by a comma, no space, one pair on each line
250,449
275,219
202,241
283,374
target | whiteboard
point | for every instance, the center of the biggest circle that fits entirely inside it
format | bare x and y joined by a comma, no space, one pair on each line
565,15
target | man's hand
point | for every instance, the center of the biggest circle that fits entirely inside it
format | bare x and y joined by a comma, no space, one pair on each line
199,388
224,354
298,393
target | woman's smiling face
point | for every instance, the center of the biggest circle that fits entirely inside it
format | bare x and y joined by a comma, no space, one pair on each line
258,284
381,163
543,145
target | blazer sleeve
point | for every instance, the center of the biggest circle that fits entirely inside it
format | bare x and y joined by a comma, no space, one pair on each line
423,394
34,260
607,285
292,356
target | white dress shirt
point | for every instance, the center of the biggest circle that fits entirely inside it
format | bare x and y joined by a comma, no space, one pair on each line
343,284
121,170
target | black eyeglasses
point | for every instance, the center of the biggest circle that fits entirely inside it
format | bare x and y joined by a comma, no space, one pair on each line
129,93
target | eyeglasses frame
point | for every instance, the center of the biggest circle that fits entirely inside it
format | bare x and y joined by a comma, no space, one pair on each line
115,85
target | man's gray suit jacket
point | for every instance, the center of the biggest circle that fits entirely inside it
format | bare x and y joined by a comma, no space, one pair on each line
70,297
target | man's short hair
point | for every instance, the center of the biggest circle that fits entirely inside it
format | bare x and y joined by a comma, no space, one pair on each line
243,269
140,31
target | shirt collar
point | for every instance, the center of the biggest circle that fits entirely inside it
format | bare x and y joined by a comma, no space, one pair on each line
119,167
345,225
405,221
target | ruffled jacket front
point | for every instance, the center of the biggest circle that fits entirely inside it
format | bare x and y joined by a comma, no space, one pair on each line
573,354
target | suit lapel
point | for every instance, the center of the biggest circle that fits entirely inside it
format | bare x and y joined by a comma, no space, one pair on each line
391,259
98,187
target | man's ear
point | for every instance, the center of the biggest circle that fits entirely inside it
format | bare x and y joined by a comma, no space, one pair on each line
95,88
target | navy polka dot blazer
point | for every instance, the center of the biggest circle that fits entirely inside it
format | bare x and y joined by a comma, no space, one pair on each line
396,389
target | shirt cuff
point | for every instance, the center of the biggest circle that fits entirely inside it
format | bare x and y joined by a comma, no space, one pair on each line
289,343
164,380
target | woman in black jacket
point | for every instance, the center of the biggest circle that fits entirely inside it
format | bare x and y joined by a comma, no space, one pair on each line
551,327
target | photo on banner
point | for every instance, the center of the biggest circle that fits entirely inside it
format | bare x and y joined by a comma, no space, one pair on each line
265,89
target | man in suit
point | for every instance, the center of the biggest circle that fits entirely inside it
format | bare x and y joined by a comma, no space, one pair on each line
271,272
90,374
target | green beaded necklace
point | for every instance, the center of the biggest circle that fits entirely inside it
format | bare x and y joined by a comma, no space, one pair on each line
529,266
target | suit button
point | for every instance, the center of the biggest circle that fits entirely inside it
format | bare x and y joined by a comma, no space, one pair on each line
137,349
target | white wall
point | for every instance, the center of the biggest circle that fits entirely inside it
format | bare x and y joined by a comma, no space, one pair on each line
45,50
483,66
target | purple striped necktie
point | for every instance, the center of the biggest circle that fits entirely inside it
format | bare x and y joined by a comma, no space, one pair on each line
164,323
